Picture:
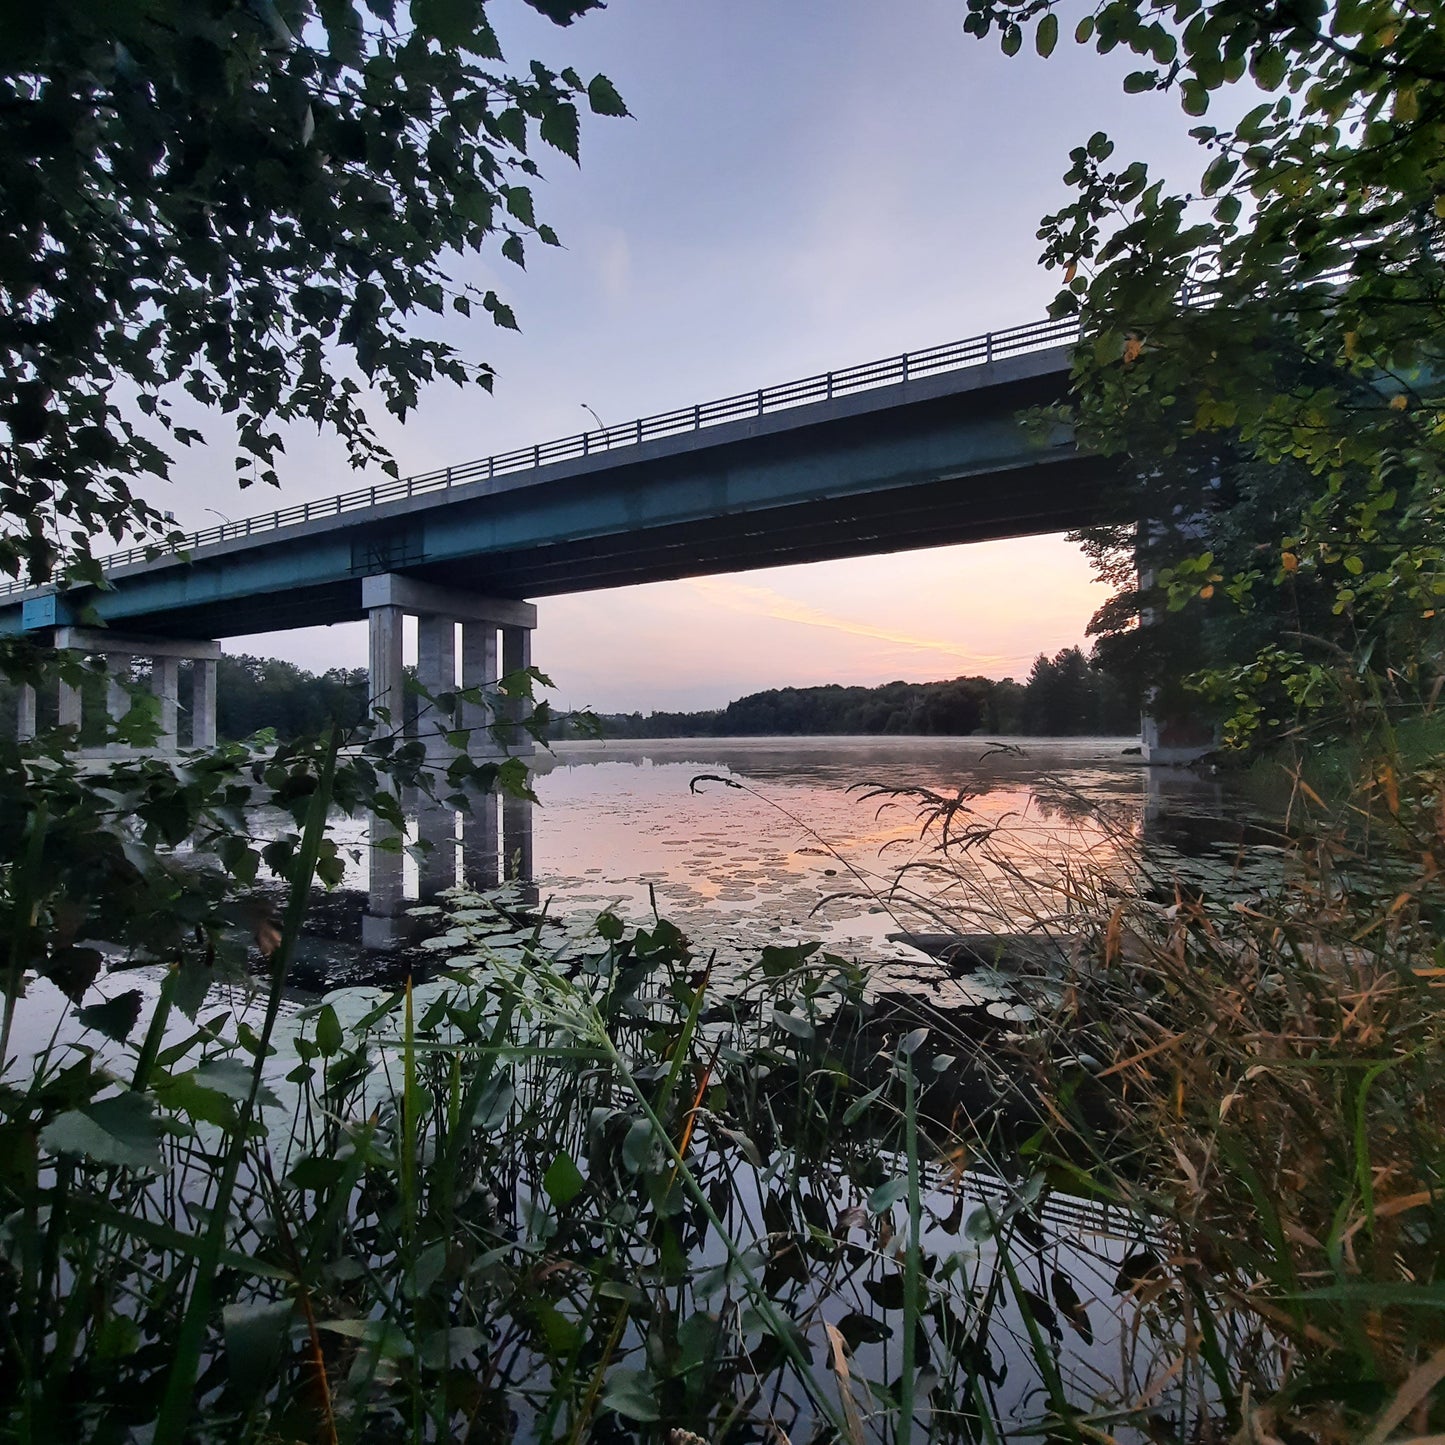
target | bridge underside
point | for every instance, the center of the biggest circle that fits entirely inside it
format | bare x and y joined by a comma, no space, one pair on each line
1072,494
940,461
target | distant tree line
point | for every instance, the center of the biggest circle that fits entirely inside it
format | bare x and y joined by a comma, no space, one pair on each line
1064,696
253,693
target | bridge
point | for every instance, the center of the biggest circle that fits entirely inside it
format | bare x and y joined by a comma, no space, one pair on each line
923,449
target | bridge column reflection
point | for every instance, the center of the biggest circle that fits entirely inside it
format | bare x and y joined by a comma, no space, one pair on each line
479,847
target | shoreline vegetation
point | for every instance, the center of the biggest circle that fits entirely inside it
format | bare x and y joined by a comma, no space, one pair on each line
566,1185
1063,696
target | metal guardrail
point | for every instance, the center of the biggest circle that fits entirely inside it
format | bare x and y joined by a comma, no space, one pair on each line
955,356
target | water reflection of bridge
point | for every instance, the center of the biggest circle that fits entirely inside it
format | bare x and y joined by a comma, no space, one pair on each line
1181,820
478,847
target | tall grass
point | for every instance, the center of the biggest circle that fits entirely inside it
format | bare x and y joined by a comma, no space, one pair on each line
593,1195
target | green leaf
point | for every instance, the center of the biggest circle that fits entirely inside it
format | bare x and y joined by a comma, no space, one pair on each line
328,1032
561,128
255,1334
232,1078
121,1130
885,1196
563,1181
888,1291
451,23
388,1340
631,1394
114,1018
1268,66
602,96
1220,172
637,1146
511,125
798,1027
494,1107
519,204
315,1173
910,1043
859,1107
779,959
1046,37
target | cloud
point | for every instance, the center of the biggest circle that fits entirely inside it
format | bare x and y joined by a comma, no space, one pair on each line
752,600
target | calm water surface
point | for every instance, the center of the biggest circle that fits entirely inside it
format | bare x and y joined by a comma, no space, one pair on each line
744,842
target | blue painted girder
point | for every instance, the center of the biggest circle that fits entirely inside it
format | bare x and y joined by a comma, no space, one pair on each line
929,462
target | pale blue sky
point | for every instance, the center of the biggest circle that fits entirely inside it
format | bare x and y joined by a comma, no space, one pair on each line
804,185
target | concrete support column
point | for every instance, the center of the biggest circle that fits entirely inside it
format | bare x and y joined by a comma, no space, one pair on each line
1176,741
25,721
117,699
436,827
166,687
165,655
517,848
479,669
516,655
385,690
388,596
436,671
70,706
1182,733
203,704
384,924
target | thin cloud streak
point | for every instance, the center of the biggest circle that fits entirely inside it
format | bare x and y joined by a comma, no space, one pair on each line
754,601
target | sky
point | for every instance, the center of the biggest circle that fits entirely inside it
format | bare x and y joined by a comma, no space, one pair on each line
802,185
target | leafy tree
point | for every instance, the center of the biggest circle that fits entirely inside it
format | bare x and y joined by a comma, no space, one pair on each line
253,693
1279,324
249,202
1067,695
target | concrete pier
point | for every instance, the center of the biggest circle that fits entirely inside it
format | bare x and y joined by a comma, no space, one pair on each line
203,703
166,687
480,668
70,706
385,669
436,671
117,698
516,655
25,721
389,597
117,652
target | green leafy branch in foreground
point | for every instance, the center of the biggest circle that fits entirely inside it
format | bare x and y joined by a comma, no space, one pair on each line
250,207
1283,316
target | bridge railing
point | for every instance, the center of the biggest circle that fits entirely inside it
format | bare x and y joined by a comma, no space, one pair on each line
892,371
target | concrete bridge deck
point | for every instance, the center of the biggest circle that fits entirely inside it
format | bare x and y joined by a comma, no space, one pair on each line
917,451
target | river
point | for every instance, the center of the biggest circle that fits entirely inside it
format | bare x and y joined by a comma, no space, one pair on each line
744,842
